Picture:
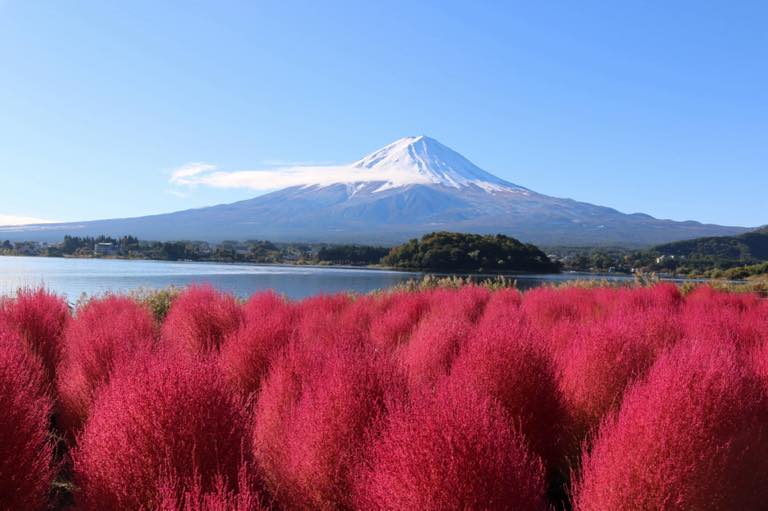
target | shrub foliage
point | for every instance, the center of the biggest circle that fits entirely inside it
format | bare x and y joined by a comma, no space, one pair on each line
460,397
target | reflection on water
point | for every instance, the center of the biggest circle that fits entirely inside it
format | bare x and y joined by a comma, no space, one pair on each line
72,277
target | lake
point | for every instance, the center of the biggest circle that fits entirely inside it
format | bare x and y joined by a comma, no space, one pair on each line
72,277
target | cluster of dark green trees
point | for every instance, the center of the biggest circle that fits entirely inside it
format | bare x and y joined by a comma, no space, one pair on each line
351,254
450,251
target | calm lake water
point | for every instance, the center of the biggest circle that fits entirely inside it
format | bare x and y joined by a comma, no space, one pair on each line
72,277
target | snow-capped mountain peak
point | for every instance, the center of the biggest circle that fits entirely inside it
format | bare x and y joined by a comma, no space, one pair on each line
424,160
411,187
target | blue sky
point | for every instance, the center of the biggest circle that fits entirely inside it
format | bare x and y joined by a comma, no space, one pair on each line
659,107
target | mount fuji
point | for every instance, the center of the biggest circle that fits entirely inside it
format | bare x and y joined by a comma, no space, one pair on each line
410,187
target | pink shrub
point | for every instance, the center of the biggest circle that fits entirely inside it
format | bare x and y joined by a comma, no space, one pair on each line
554,314
26,453
725,317
503,305
311,418
160,416
501,361
439,336
634,299
321,320
466,302
199,320
175,494
268,325
40,317
105,332
602,359
693,435
545,307
432,348
450,451
393,327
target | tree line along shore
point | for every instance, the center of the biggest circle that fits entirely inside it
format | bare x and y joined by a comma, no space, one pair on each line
725,257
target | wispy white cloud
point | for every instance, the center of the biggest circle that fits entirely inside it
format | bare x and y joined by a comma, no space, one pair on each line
205,174
22,220
186,173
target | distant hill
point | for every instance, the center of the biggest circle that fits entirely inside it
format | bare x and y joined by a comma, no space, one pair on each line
411,187
452,251
748,248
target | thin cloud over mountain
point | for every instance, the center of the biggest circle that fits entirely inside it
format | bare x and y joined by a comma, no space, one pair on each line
22,220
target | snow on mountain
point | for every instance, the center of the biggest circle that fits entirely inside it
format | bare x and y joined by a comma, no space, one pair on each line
424,160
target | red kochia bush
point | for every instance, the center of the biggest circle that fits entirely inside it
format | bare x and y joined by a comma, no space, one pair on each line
105,332
501,361
311,418
199,320
40,317
176,494
603,358
503,304
441,333
331,320
393,327
468,302
694,435
450,451
545,307
720,317
160,416
432,348
26,454
247,352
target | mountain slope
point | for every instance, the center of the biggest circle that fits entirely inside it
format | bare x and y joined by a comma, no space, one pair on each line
410,187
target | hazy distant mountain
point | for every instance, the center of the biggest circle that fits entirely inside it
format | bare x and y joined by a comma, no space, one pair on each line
412,186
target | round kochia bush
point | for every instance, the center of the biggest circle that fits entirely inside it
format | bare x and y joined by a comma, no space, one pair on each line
160,416
40,318
26,454
439,336
393,326
501,361
311,419
693,435
105,332
248,351
454,450
602,359
200,319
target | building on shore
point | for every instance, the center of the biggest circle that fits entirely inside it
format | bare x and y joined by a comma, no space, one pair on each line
105,249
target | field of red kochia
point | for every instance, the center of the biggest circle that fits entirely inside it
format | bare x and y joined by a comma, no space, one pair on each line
468,399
